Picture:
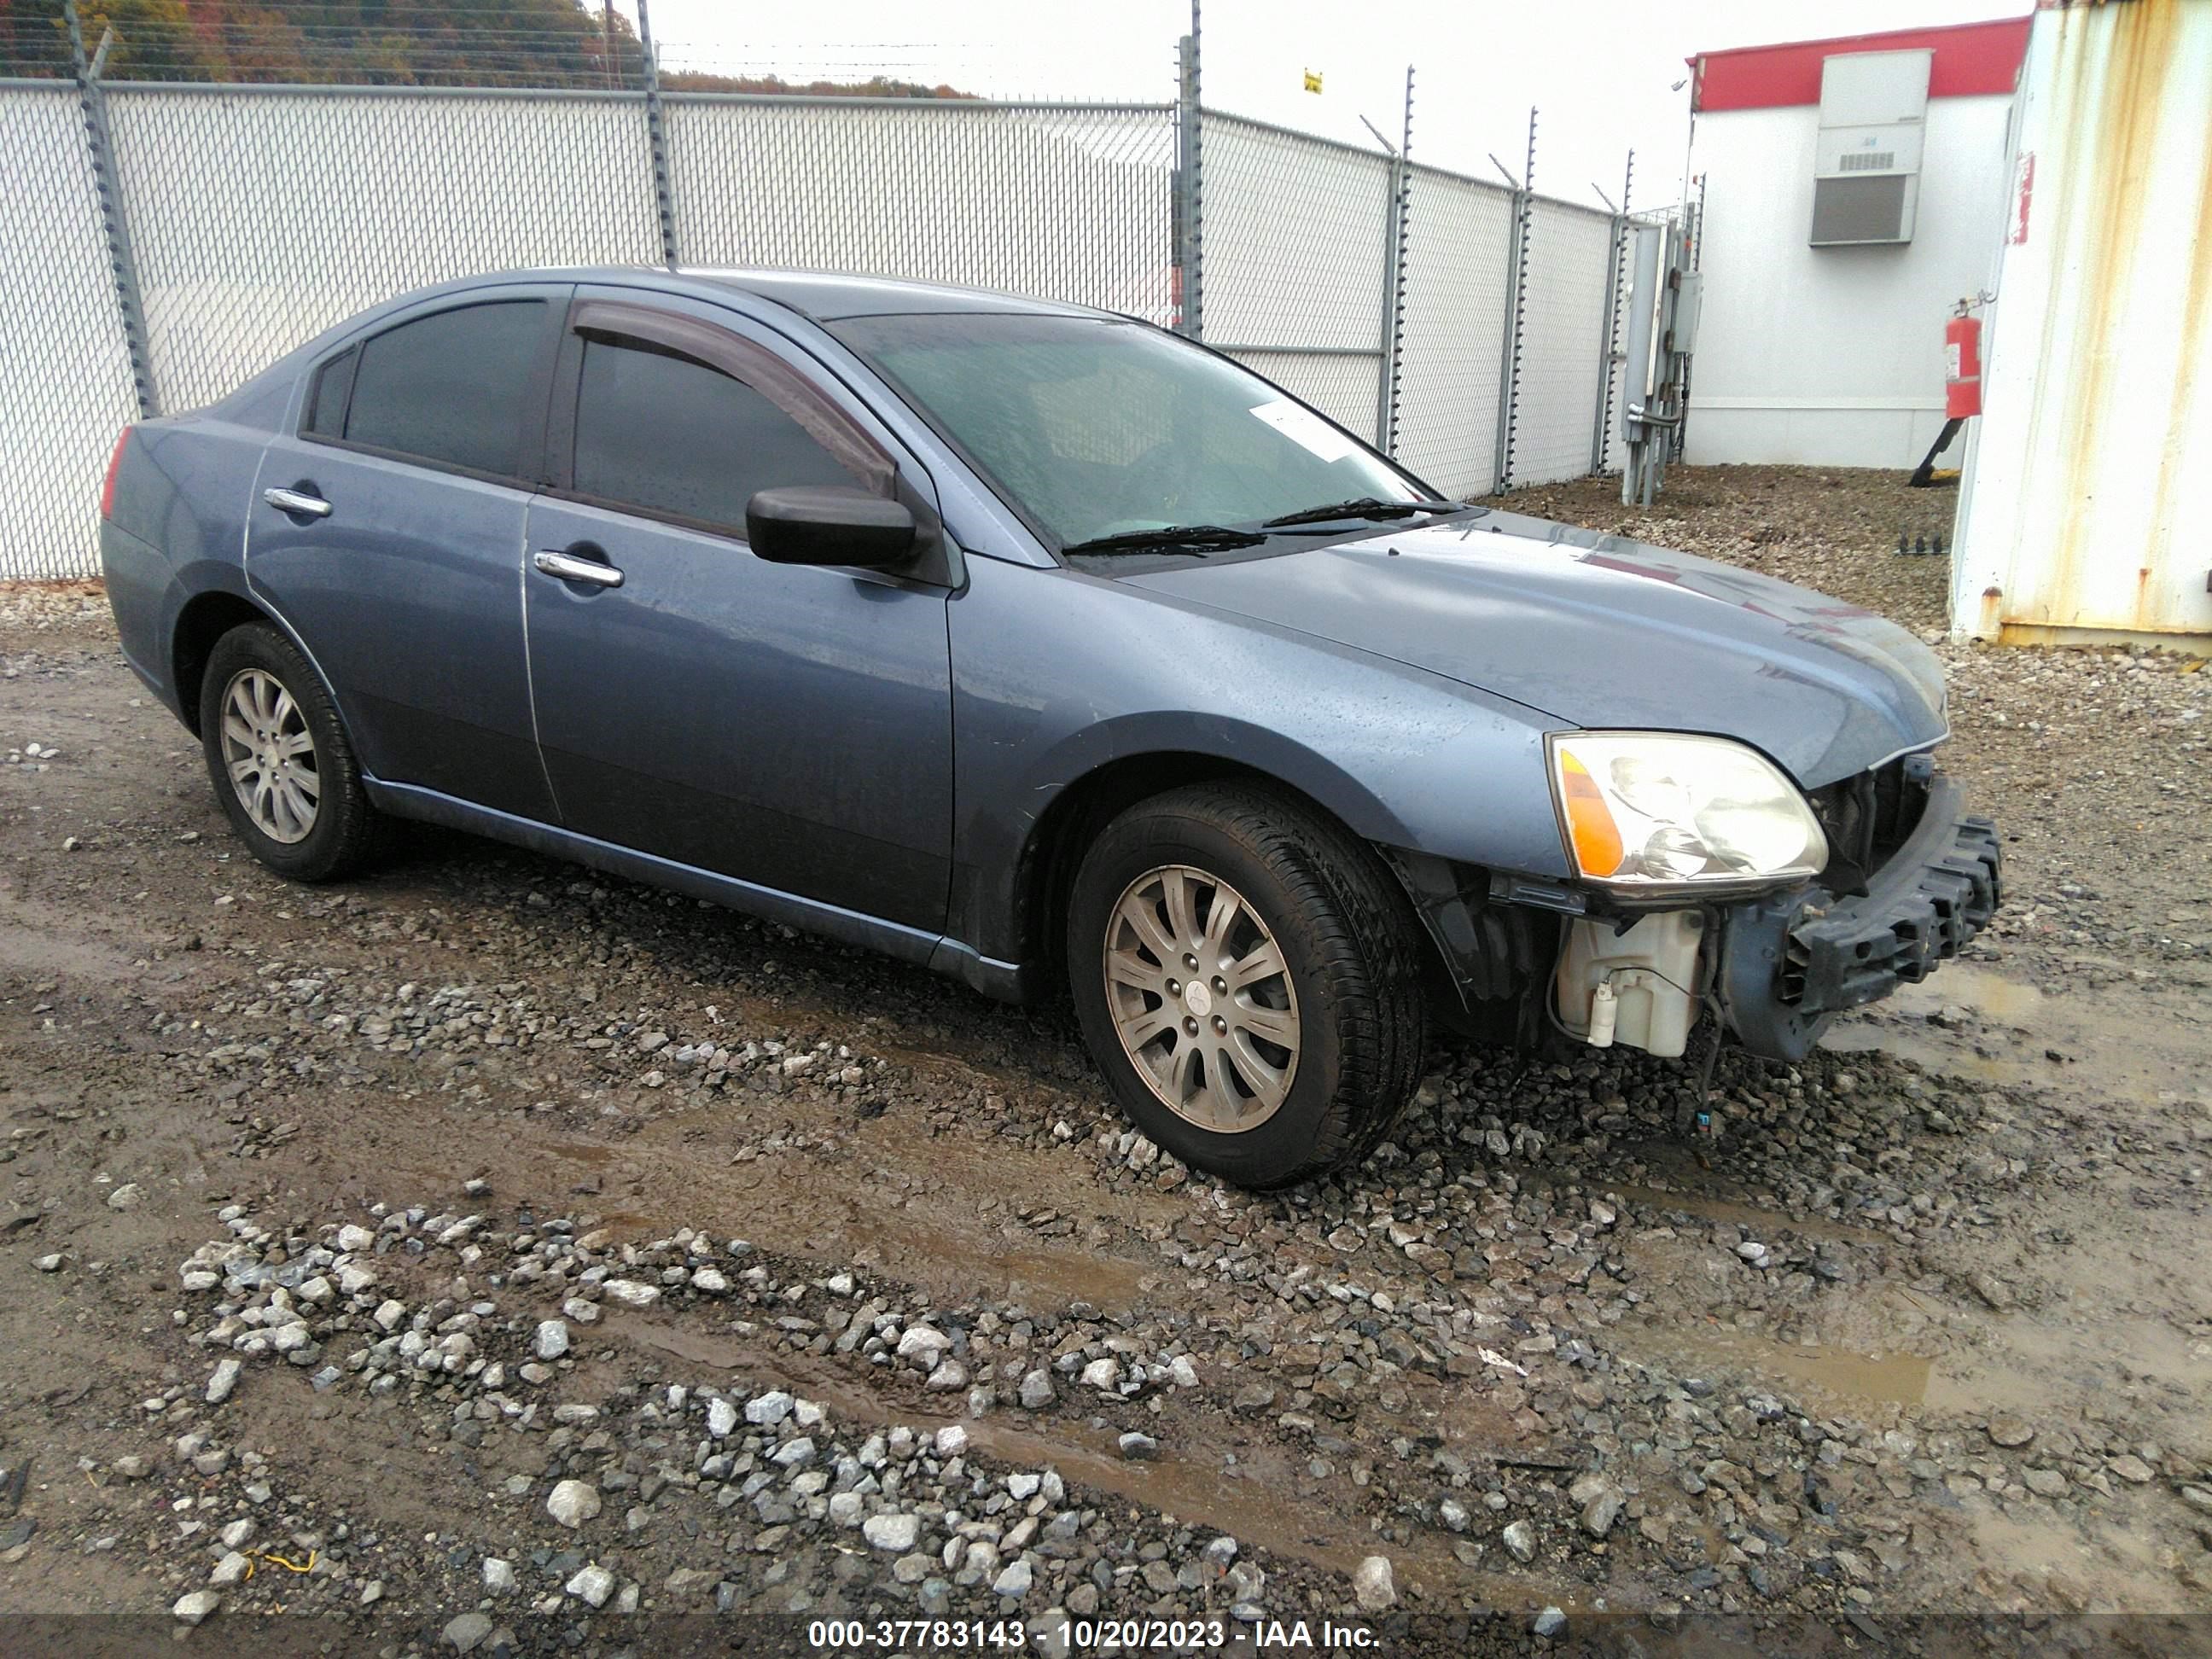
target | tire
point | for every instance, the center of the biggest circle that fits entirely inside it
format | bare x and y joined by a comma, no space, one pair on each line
1254,1108
313,823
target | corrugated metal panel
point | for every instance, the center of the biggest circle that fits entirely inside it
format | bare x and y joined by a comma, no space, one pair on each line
2089,485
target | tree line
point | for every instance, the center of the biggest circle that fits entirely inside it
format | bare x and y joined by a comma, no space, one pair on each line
512,43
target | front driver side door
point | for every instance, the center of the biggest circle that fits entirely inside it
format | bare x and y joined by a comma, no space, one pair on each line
787,725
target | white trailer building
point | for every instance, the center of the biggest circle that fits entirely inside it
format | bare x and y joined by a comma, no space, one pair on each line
1854,190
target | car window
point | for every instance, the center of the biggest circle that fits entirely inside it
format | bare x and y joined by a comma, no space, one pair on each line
326,402
451,387
668,433
1098,425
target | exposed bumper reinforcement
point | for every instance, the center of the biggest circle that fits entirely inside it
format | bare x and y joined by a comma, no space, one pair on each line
1791,962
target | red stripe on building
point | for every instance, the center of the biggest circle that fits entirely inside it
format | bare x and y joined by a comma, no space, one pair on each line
1971,60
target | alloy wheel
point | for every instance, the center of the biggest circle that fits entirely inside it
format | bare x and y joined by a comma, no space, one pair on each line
1201,999
270,754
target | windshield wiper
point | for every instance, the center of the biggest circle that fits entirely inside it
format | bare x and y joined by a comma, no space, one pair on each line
1362,506
1170,538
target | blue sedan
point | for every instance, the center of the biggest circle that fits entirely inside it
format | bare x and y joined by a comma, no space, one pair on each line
1049,649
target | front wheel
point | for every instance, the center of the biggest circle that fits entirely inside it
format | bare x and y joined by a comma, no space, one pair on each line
278,755
1247,976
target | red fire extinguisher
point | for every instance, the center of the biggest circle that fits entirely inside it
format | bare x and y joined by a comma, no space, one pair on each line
1962,374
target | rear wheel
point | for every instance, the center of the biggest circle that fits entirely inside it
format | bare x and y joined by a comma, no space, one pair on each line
282,765
1246,974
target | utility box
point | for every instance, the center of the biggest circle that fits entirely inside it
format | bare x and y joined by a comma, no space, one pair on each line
1689,300
1866,169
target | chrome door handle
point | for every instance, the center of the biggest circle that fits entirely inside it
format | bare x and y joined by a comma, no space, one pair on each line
570,568
293,500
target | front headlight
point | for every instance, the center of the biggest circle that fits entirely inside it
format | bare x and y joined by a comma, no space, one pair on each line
1649,808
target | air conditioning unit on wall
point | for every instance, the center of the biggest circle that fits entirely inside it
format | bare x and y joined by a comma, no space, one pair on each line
1866,169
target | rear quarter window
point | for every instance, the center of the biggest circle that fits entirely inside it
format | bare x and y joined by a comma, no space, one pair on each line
450,388
326,398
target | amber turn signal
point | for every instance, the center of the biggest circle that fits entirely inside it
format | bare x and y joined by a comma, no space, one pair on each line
1589,821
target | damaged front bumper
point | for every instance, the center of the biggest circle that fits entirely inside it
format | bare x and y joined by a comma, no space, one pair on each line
1779,967
1790,962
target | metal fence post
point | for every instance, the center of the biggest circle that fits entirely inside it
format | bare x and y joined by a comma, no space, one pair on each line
1517,286
656,127
107,189
1394,281
1608,341
1189,230
1609,346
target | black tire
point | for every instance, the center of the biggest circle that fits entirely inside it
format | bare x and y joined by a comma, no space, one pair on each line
345,831
1351,954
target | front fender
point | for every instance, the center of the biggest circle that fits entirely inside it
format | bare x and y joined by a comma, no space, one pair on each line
1057,674
1230,739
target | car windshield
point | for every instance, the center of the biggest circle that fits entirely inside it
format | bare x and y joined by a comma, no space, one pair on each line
1101,428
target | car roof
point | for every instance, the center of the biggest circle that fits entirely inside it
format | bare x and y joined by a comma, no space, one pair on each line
821,296
828,297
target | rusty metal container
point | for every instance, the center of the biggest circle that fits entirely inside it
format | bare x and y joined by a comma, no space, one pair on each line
2086,507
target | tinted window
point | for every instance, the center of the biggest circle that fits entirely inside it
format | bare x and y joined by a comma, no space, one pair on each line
670,434
452,386
326,403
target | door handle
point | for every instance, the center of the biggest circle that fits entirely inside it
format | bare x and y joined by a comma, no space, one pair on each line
570,568
297,502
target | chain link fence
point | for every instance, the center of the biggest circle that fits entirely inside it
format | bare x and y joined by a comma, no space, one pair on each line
259,215
1562,354
65,387
1459,299
262,216
1068,201
1296,263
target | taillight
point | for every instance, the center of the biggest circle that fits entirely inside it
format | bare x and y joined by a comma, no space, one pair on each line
114,466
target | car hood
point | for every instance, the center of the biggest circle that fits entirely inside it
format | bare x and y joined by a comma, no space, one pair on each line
1597,631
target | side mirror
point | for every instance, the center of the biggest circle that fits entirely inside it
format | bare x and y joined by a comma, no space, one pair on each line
827,525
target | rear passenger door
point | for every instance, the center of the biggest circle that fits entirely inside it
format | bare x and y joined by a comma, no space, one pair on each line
394,542
789,726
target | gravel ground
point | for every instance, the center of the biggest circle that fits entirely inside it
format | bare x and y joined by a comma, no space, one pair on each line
489,1254
1832,529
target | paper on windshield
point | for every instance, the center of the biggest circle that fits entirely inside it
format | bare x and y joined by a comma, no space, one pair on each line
1306,429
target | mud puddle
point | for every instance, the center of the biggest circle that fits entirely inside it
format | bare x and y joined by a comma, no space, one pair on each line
1973,1022
836,1212
1744,1212
1846,1378
1982,991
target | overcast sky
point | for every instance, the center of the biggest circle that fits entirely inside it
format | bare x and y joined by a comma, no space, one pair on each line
1603,72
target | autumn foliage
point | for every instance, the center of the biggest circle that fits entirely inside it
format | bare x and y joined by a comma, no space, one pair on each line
515,43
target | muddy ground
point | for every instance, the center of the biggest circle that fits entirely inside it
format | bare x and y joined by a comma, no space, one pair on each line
805,1283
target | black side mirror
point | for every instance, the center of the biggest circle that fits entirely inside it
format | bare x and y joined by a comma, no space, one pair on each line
827,525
